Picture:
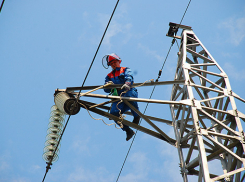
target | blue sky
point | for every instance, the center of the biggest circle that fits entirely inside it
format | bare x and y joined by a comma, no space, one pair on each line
46,45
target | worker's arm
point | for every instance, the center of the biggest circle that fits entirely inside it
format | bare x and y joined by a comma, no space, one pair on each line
107,79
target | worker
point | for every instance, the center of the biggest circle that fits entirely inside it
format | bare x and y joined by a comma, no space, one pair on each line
122,75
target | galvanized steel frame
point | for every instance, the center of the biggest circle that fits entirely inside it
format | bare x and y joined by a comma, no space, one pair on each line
211,111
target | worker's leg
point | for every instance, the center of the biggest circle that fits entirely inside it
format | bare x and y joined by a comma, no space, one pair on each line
134,93
136,116
115,111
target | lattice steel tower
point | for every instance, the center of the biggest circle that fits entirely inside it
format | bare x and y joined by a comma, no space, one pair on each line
208,119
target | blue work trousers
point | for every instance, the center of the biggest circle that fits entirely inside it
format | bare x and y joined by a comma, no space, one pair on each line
123,107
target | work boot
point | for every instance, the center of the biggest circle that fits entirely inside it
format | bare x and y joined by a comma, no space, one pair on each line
130,133
136,120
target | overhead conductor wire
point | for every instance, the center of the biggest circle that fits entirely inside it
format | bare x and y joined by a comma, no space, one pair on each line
159,75
50,162
1,6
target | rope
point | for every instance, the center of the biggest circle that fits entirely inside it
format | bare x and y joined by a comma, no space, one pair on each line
98,118
159,75
50,162
121,116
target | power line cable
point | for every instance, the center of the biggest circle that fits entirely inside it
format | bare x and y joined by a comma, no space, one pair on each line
159,75
50,162
1,5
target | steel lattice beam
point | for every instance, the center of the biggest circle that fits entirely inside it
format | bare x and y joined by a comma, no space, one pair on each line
212,113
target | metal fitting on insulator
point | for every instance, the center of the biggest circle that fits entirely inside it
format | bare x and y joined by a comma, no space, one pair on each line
159,75
173,41
66,104
56,121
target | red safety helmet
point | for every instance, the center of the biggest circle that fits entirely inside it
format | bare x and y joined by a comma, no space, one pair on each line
111,57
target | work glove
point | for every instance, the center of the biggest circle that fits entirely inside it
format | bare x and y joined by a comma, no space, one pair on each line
108,82
126,86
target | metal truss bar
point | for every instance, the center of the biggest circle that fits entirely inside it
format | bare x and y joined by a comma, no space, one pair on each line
217,82
201,121
206,88
200,174
193,45
186,137
216,125
190,126
207,72
180,107
203,64
124,121
223,147
200,143
70,89
196,172
103,103
209,144
189,61
168,122
203,52
191,39
199,55
185,121
217,110
160,120
238,97
227,174
181,91
213,84
187,160
219,122
221,135
91,105
170,140
174,90
243,178
240,115
184,102
213,98
225,108
198,91
195,162
178,145
183,145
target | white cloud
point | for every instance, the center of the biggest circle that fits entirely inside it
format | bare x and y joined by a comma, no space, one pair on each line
152,53
99,174
236,28
233,72
81,146
35,168
140,168
115,28
4,164
20,180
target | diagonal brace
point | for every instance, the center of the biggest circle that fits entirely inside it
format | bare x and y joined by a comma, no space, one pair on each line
170,140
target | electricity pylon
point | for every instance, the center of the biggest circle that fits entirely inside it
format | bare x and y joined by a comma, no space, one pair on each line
205,118
209,119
